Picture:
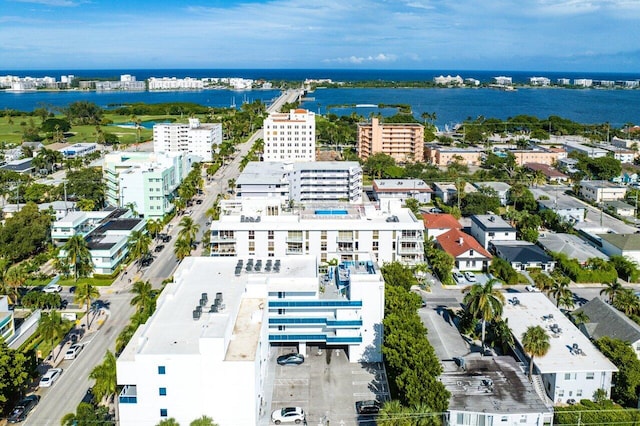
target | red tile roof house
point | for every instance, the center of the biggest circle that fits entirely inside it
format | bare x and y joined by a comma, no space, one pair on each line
436,224
468,253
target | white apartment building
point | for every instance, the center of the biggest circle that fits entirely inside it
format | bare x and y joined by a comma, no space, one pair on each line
583,82
194,138
146,180
589,151
448,80
503,81
312,182
212,329
539,81
599,191
79,150
290,136
265,228
401,189
173,83
489,227
573,368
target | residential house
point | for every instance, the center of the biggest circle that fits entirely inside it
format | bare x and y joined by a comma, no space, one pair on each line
568,208
79,150
599,191
620,208
442,156
402,141
501,189
448,191
522,255
573,368
538,155
606,321
627,245
469,255
589,151
570,245
401,189
22,166
436,224
59,208
488,227
550,173
487,391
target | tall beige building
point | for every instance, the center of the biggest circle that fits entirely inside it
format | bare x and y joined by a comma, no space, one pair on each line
403,142
290,136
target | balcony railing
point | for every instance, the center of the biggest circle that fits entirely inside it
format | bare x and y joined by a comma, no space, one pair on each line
129,395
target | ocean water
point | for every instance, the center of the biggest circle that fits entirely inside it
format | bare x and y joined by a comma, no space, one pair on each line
450,105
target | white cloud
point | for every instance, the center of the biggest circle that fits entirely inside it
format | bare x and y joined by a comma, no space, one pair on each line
380,57
57,3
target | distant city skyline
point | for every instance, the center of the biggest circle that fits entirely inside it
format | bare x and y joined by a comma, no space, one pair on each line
552,35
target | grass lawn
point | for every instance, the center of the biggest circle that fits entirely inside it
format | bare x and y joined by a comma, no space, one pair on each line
68,282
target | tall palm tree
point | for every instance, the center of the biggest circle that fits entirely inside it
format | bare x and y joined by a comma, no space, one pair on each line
579,317
393,414
13,279
84,295
188,229
168,422
78,256
182,248
213,212
139,243
484,302
611,290
560,290
105,376
154,226
203,421
535,342
627,302
52,327
179,204
145,297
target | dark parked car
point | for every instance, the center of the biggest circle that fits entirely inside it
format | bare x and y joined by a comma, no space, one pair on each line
166,238
22,408
291,359
158,248
370,407
198,201
146,261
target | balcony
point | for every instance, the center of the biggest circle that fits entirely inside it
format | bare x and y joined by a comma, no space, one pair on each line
332,323
129,395
417,249
295,248
305,304
223,239
311,337
295,238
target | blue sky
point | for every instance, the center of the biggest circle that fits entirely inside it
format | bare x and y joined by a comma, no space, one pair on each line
545,35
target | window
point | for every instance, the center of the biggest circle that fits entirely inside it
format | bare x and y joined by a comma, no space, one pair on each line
162,369
375,246
590,376
523,418
162,391
252,235
579,392
163,412
561,393
270,235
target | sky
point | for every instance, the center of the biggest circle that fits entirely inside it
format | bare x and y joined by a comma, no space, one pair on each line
545,35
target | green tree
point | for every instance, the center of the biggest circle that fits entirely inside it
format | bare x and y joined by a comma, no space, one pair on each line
611,290
85,183
413,205
139,243
83,112
535,342
87,415
626,268
628,302
52,328
479,203
188,229
484,302
182,248
78,256
13,279
398,274
561,292
626,385
154,226
84,295
25,233
203,421
500,334
376,164
14,370
105,378
86,205
144,298
442,264
168,422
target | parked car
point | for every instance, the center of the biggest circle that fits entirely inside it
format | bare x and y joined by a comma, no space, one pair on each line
532,288
158,248
166,238
435,210
73,351
458,277
52,288
198,201
369,407
22,408
146,261
291,359
288,415
470,276
50,377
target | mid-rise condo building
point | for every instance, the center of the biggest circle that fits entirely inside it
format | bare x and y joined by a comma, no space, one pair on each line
195,138
290,136
403,142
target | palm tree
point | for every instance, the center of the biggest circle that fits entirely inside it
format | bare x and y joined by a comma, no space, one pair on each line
139,243
85,293
612,289
154,226
182,248
566,299
560,290
78,256
627,302
393,414
188,229
179,204
579,317
535,342
145,297
86,205
484,302
501,334
13,279
168,422
105,376
52,328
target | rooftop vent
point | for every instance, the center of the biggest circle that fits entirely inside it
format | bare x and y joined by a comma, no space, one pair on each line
492,218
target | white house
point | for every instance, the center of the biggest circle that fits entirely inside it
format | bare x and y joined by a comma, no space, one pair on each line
79,150
213,326
501,189
401,189
469,255
436,224
265,228
489,227
195,138
290,136
522,255
589,151
568,208
599,191
573,368
448,192
627,245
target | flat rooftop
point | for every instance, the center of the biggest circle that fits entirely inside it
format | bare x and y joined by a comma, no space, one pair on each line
536,309
262,173
172,329
496,186
401,185
562,203
491,222
491,384
571,245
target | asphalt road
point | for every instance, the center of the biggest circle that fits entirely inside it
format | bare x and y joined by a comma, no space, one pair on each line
67,392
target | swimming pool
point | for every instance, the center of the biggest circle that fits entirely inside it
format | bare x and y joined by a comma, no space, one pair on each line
331,212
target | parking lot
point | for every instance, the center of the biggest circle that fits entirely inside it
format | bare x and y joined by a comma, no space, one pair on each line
326,386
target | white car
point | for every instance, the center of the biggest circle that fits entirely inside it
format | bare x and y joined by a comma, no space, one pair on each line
50,377
458,277
288,415
532,288
470,276
73,351
52,288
